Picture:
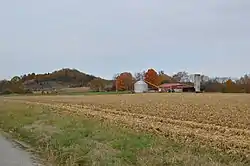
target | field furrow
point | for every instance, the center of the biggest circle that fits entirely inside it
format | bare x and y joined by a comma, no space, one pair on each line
231,140
231,111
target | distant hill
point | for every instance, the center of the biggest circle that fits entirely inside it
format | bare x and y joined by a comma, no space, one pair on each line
64,78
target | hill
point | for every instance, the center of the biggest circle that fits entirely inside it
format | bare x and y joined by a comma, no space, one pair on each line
64,78
59,79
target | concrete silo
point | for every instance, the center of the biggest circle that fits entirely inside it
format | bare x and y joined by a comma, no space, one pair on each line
140,87
197,83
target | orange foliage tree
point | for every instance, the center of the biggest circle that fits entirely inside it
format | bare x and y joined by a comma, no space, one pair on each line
164,78
231,87
152,77
124,81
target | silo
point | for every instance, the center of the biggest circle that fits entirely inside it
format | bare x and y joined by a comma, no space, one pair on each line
140,87
197,82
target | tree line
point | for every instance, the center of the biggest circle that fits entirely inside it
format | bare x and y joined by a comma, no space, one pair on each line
125,81
122,82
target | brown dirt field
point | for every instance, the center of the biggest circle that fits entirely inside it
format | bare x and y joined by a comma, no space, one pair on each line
221,121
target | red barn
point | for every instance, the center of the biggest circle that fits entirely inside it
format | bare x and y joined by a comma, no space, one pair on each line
176,87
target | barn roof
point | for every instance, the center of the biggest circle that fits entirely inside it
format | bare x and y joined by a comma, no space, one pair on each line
169,85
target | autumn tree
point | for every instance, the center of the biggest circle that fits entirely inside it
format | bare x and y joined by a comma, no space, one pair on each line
212,86
152,77
15,79
115,81
164,78
124,81
231,87
7,87
97,84
120,86
3,85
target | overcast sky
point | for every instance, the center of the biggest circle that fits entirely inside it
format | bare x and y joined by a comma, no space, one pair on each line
111,36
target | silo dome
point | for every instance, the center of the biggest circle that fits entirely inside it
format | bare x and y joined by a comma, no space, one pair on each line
140,87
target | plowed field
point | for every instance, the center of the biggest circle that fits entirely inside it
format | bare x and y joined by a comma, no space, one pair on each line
221,121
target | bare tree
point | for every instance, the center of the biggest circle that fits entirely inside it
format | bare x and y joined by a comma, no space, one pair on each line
181,77
139,76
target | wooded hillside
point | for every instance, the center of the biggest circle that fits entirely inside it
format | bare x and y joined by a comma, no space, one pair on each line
63,78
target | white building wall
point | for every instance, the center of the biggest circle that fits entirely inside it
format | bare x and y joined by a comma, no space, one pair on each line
197,82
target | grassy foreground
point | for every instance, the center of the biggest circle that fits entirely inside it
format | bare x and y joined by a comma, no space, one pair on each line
64,139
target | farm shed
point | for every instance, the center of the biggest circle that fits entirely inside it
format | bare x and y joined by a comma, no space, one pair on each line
177,87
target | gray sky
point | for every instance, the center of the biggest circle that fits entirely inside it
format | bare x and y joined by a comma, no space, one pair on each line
111,36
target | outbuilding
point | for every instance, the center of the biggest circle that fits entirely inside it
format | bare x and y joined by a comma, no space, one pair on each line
140,87
176,87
